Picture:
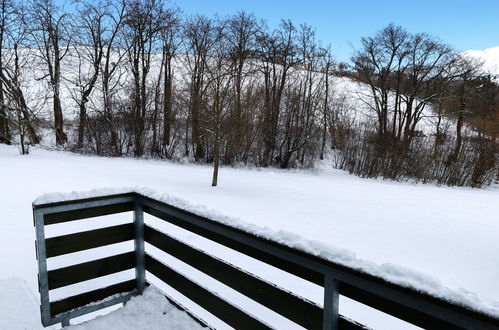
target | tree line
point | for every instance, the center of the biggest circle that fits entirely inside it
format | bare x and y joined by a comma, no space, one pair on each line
146,80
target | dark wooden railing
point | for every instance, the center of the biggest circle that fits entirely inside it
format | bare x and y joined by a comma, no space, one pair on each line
404,303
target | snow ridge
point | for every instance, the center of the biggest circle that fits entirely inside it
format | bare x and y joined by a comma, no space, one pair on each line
489,57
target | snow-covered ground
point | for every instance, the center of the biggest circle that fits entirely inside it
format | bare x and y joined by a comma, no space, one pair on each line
18,305
442,238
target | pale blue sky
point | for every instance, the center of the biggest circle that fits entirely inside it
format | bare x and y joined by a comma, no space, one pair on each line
462,23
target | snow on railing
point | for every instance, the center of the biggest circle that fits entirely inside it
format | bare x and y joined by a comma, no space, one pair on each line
406,295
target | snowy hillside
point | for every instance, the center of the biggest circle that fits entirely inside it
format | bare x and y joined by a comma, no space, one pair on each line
489,57
76,70
439,239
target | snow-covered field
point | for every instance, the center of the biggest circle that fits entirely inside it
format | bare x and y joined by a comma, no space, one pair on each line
442,239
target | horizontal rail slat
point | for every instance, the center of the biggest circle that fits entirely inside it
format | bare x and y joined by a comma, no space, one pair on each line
73,302
393,308
96,211
86,200
345,323
56,246
184,221
298,310
225,311
86,271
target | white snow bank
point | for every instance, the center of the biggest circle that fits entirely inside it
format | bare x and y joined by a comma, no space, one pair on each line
18,307
151,311
393,273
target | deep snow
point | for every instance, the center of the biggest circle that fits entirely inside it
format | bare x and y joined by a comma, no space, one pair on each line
445,236
149,311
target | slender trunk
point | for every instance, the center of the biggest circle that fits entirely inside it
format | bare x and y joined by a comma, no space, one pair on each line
60,136
167,102
195,113
438,134
324,114
216,160
4,123
81,125
459,138
460,121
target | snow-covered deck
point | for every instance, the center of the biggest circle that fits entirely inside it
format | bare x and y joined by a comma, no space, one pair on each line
19,309
149,311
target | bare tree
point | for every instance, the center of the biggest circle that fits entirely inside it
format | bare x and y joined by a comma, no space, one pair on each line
302,99
467,85
380,59
399,69
427,61
114,53
218,85
240,33
170,39
91,27
277,53
18,114
6,9
51,36
199,37
327,67
144,23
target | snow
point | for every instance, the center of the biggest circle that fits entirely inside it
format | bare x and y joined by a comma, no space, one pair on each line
489,57
149,311
438,239
18,306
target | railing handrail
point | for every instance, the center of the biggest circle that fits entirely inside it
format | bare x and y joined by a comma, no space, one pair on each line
403,302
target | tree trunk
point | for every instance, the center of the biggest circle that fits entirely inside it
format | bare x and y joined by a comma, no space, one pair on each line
4,123
81,126
216,161
167,103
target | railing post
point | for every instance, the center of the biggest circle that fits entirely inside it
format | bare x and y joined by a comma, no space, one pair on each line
43,285
138,220
331,302
65,322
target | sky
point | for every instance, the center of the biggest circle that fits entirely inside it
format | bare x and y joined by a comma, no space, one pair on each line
463,24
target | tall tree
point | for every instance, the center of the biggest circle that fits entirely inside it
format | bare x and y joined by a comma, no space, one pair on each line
381,58
91,27
467,84
199,37
114,53
277,53
52,37
6,8
18,114
218,85
240,34
327,67
144,22
399,69
302,99
170,40
427,61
